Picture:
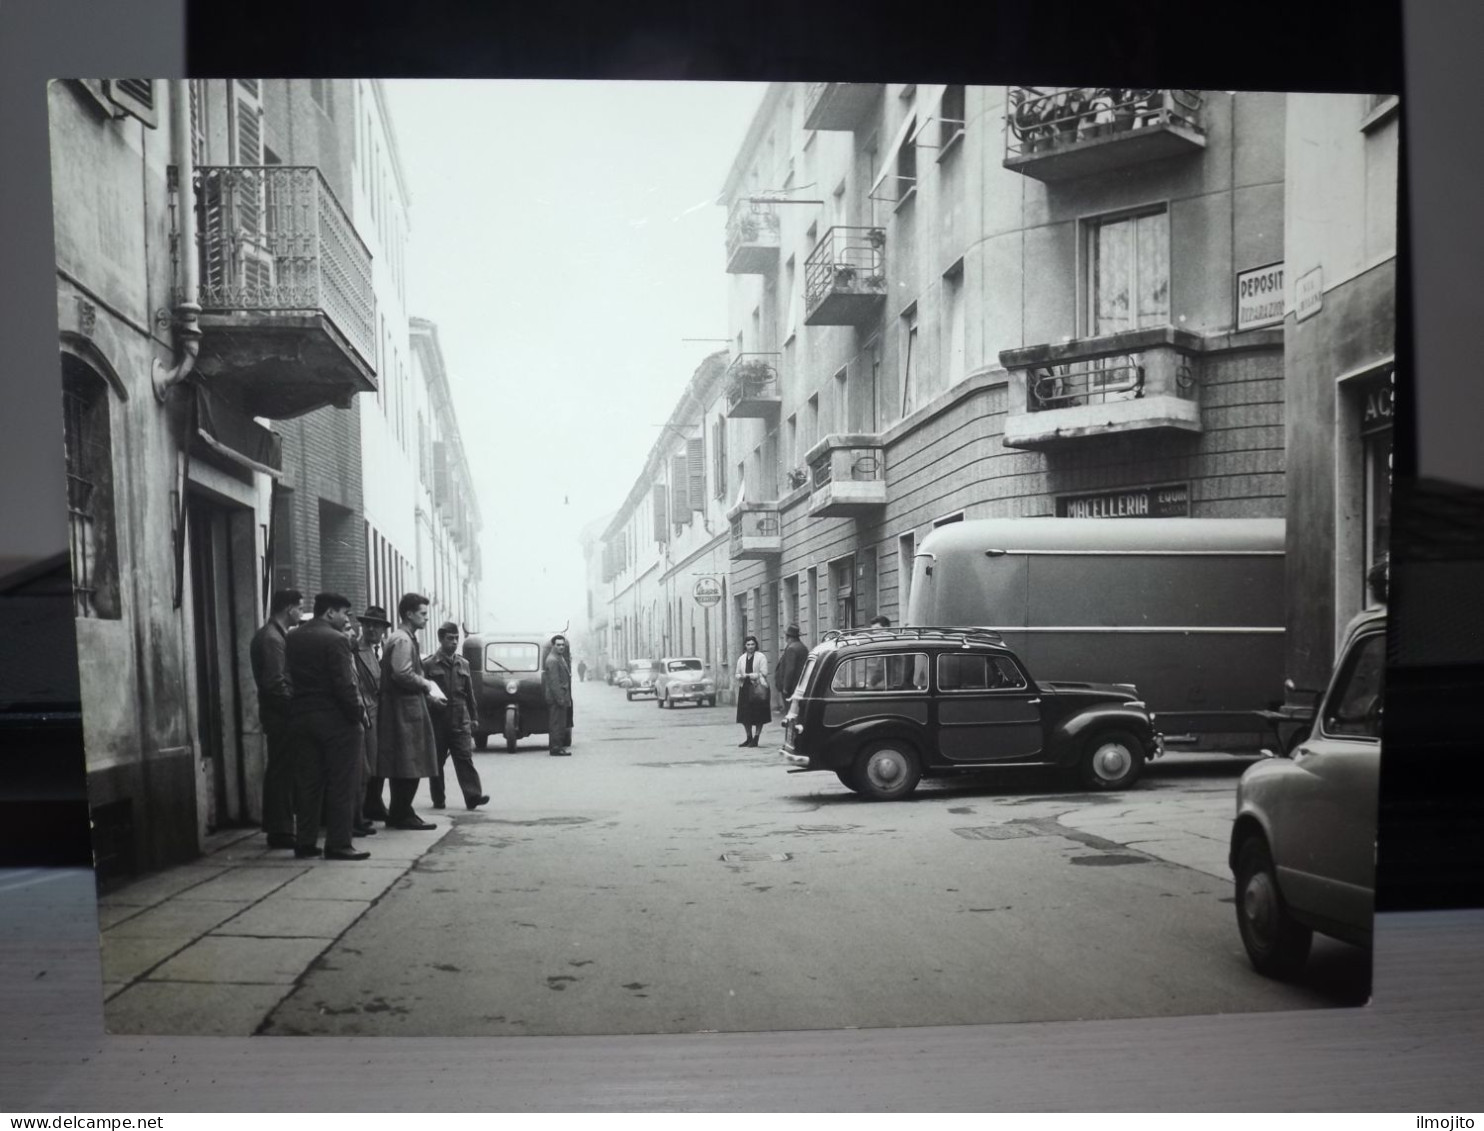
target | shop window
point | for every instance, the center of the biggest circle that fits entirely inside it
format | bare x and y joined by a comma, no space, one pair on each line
88,444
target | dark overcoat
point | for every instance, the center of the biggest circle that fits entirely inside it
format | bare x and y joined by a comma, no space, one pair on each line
405,744
368,676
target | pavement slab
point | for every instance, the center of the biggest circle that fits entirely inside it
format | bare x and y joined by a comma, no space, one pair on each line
281,917
222,1010
336,881
181,919
245,883
154,888
125,959
235,959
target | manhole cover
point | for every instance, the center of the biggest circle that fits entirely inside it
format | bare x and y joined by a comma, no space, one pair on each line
1108,860
754,857
997,832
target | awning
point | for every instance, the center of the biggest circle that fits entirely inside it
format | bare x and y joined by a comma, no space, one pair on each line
929,103
889,161
227,432
930,107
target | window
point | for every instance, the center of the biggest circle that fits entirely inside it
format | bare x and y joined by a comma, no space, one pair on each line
512,657
811,421
909,360
88,446
1129,273
908,672
950,117
906,162
791,323
791,438
953,323
842,403
323,95
1354,706
960,672
1378,447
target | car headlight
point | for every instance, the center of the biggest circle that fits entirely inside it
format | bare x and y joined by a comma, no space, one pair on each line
512,687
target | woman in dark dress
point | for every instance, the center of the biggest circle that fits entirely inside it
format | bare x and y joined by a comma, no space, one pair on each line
753,709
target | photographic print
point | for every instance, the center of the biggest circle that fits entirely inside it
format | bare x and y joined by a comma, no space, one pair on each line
558,558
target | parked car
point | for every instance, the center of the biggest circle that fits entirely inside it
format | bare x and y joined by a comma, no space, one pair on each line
683,679
886,707
507,684
1303,845
639,679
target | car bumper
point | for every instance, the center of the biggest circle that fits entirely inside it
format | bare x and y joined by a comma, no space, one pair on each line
689,696
800,760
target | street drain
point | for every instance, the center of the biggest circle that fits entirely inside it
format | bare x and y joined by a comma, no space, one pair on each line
754,857
997,832
1108,860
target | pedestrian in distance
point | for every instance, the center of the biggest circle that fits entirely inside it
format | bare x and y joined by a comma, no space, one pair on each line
753,711
790,665
326,721
556,682
270,673
582,671
455,721
406,747
374,626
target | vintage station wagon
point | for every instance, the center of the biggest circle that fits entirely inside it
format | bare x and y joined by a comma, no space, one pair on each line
886,707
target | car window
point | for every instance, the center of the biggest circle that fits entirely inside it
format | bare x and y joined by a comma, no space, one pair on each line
882,673
1353,709
508,656
958,671
684,666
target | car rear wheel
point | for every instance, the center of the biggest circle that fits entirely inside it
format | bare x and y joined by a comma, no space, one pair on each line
629,695
1112,759
1277,944
886,771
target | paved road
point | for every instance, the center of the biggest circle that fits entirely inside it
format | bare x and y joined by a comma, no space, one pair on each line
663,880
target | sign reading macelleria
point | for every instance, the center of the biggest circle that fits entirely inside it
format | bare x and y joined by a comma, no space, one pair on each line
1169,501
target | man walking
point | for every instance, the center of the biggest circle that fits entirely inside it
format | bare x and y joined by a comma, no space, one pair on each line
325,722
368,676
791,664
556,682
455,722
266,653
405,743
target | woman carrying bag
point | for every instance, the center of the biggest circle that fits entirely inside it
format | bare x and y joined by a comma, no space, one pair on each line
753,709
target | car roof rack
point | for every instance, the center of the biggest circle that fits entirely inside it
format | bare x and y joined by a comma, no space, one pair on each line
960,635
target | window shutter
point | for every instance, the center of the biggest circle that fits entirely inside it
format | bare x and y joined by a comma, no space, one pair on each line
135,97
661,524
719,448
695,454
679,489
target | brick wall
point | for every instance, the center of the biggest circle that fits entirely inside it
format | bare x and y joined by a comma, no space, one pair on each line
322,465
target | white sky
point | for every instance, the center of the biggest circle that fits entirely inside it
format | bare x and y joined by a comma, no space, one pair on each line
564,238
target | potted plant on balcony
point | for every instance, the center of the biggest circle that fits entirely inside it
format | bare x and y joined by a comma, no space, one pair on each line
877,236
844,277
750,377
798,476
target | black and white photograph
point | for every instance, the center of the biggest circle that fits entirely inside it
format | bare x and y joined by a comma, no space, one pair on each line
565,558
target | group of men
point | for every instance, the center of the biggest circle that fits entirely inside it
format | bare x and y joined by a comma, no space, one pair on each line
345,712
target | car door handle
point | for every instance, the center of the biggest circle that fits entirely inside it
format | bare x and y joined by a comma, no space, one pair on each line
1037,699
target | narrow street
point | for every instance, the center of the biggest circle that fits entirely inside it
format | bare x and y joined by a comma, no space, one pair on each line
663,880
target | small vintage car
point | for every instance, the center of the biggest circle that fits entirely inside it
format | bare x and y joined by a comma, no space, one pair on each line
506,668
683,679
639,679
1303,845
883,708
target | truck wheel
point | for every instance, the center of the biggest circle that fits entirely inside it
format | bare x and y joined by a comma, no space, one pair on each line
1112,759
629,695
1277,944
886,771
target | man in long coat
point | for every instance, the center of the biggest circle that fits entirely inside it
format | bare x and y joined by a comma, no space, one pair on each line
374,626
405,743
556,682
266,654
454,723
791,664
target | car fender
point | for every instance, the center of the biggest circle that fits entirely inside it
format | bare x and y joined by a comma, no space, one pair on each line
1066,737
845,743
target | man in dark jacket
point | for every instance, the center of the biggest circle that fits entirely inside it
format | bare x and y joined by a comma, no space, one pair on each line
454,722
556,682
368,675
791,664
326,719
266,653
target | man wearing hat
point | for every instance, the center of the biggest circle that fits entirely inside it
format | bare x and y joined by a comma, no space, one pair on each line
374,626
791,663
454,721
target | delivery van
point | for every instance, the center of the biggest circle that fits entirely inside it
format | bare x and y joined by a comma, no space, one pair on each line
1190,610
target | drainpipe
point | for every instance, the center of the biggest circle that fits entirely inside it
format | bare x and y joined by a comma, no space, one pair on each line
188,310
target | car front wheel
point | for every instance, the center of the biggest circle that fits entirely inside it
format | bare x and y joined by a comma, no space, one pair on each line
886,771
1112,759
1277,944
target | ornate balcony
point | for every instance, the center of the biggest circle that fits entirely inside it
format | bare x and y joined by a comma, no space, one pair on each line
847,476
752,238
287,309
1056,135
839,105
752,388
1138,381
757,532
845,277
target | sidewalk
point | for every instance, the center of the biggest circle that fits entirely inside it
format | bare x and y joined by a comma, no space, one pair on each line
211,947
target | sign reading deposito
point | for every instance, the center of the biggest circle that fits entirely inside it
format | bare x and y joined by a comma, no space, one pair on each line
707,592
1260,297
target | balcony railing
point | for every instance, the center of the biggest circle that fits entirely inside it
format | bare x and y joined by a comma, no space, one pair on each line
752,388
752,238
1060,134
1098,381
845,277
757,532
847,476
839,105
274,239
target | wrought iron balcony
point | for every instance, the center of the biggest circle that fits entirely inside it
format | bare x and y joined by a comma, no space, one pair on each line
752,238
839,105
288,312
1055,135
845,277
1138,381
752,388
847,476
757,531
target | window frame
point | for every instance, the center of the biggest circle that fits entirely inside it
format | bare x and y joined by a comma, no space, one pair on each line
882,657
1090,227
1025,679
1341,683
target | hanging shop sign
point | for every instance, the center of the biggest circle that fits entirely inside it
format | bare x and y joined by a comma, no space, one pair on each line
1260,297
1170,501
707,592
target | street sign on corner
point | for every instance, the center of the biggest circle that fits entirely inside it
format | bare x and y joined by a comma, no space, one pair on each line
707,592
